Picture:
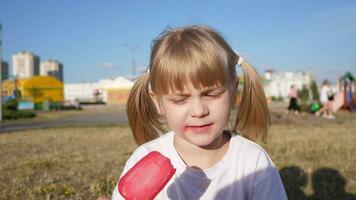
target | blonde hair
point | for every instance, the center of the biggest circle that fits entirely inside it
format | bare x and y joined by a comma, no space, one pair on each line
202,56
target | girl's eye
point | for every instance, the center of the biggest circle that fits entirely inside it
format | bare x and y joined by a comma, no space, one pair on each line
178,101
215,94
212,95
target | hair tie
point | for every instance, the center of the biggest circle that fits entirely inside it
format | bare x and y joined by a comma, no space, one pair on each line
240,61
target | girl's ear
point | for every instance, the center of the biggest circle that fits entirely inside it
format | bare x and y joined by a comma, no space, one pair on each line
157,103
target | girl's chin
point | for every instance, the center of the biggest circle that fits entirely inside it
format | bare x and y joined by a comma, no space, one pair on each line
192,139
205,143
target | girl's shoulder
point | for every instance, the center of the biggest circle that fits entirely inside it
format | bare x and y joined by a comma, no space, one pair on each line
245,145
251,155
259,172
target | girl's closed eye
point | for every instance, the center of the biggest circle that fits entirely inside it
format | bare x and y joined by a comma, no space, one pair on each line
215,93
178,100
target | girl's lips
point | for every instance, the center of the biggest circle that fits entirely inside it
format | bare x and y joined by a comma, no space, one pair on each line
198,129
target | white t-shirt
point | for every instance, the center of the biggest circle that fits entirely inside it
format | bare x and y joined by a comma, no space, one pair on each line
245,172
325,90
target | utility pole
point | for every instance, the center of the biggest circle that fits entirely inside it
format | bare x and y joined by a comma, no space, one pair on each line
133,66
0,71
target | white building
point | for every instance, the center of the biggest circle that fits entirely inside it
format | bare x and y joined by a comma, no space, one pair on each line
95,92
25,64
277,84
83,92
52,68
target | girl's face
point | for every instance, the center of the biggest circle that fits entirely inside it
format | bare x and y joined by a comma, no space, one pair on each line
197,116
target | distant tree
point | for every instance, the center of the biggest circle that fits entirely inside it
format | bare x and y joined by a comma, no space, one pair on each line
303,93
314,89
16,94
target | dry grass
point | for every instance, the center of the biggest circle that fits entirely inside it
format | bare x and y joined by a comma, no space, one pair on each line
84,163
329,147
62,163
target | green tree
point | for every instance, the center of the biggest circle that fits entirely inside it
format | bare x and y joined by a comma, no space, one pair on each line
314,89
303,94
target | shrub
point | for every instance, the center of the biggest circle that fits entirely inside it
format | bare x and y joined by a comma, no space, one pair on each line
10,105
17,114
279,98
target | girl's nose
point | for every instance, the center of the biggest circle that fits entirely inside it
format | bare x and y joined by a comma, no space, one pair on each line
199,108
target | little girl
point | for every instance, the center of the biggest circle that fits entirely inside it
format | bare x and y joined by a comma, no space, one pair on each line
181,108
326,110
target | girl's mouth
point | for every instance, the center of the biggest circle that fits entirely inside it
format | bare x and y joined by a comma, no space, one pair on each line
198,129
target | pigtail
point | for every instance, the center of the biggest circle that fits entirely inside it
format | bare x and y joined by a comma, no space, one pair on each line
143,117
253,115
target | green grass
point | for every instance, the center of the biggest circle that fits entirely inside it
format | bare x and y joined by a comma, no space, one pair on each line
85,162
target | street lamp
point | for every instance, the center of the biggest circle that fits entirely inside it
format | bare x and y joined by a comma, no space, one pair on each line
133,50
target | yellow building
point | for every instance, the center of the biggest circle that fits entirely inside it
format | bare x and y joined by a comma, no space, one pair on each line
117,96
36,89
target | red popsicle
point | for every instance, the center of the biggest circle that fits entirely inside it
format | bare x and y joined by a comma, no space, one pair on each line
147,177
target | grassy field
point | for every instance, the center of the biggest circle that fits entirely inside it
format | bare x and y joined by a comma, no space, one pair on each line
314,156
58,114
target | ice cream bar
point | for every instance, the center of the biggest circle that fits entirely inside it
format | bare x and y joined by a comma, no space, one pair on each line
147,177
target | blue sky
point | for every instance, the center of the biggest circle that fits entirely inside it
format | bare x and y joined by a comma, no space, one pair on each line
99,39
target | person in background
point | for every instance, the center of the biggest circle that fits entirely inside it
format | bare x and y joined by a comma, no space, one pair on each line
326,98
293,100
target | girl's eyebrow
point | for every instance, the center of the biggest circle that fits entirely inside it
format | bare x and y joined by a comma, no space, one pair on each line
204,91
179,94
207,90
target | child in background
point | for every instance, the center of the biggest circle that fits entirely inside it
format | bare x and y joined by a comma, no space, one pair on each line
190,89
293,100
326,101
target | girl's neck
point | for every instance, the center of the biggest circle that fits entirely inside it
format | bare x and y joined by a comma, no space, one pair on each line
202,157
